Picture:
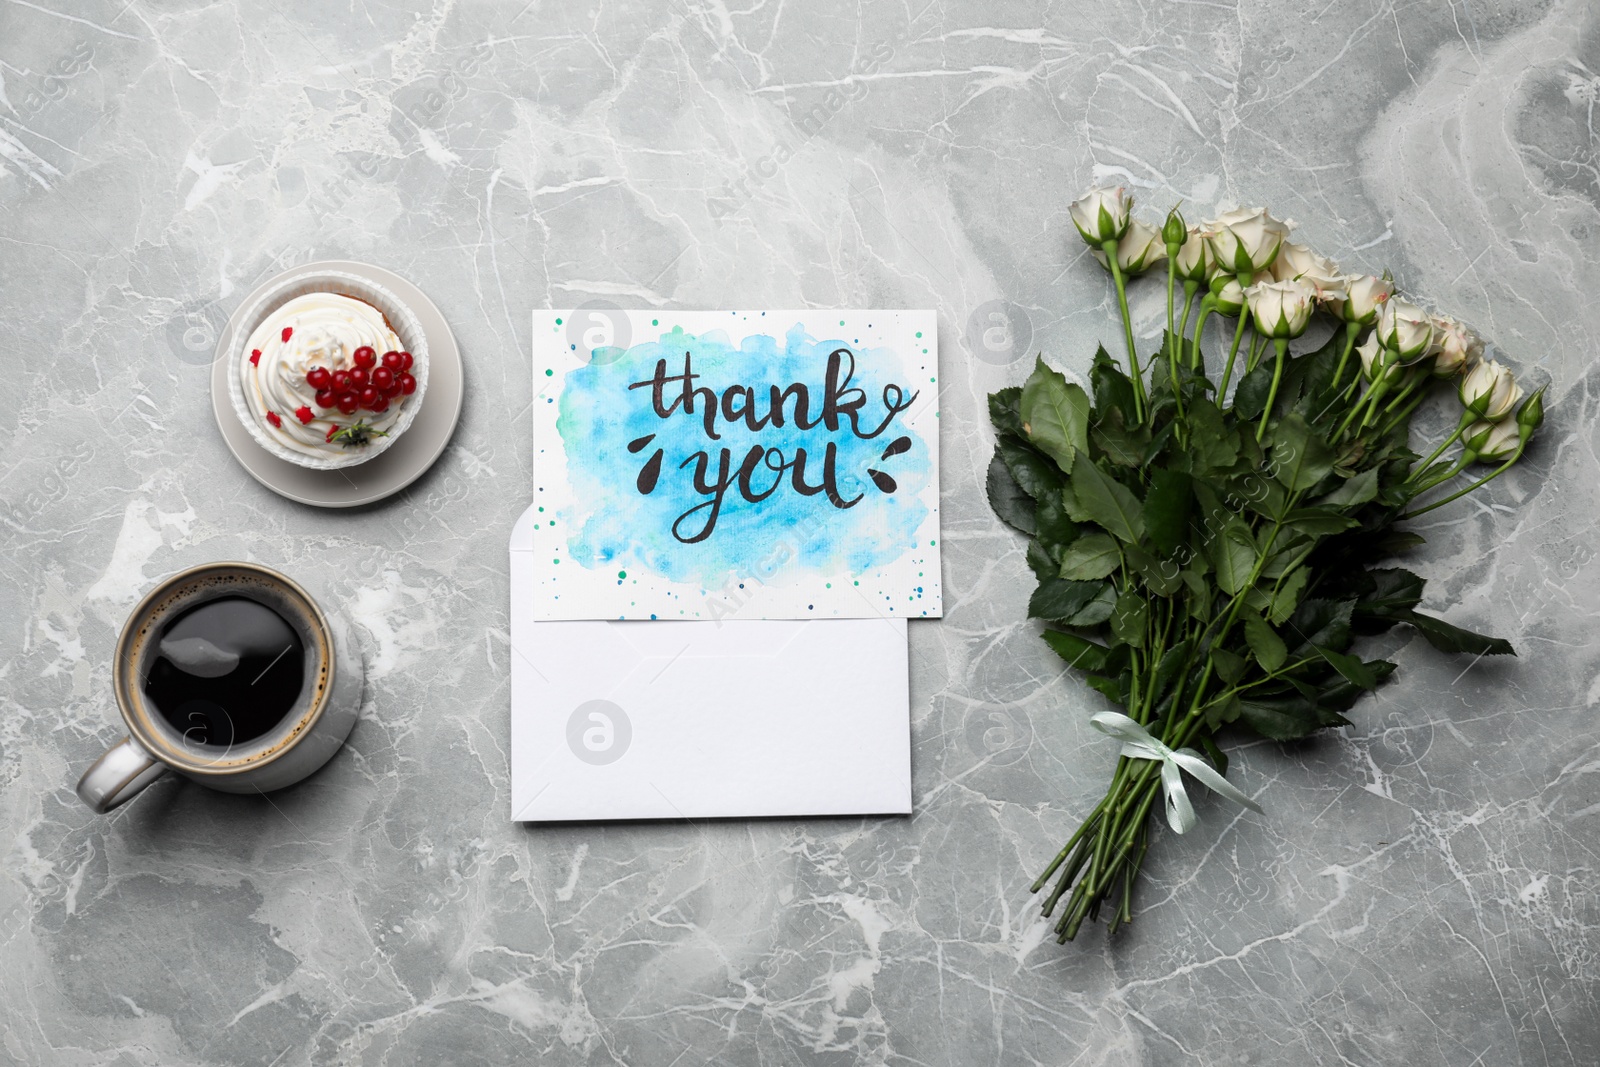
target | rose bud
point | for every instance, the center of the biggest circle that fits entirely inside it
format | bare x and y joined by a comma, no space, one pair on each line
1138,251
1246,240
1281,309
1174,231
1405,328
1378,362
1101,215
1364,297
1499,444
1530,416
1196,262
1489,391
1227,295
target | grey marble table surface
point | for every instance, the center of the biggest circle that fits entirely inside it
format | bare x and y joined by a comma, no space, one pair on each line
1425,886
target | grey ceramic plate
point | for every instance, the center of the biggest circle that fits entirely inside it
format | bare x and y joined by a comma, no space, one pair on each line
397,467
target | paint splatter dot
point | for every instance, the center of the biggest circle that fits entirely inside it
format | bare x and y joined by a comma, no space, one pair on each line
622,574
558,322
548,372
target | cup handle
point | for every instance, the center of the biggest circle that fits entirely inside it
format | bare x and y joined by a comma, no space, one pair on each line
118,776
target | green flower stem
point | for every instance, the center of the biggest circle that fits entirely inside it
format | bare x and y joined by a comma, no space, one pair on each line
1172,284
1480,483
1071,844
1281,345
1238,334
1189,289
1372,396
1394,418
1351,329
1467,419
1110,250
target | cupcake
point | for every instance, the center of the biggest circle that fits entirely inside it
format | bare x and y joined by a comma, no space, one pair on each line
324,379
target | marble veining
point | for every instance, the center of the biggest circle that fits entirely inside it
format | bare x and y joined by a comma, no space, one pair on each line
1424,887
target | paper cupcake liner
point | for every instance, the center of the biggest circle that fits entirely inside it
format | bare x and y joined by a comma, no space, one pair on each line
401,320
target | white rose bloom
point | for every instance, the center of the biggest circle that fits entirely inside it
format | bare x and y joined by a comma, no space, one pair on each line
1140,249
1405,328
1365,295
1298,263
1493,442
1457,349
1281,309
1196,262
1102,214
1245,240
1489,391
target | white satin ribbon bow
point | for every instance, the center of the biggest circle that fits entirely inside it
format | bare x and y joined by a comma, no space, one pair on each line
1138,743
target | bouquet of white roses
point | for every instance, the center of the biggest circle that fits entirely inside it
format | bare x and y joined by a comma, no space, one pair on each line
1208,557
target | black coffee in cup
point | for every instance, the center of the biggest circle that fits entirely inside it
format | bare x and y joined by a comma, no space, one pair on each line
225,671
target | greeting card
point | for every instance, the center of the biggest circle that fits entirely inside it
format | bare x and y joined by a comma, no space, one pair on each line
735,465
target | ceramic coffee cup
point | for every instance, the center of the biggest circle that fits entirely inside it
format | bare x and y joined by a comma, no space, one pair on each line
318,709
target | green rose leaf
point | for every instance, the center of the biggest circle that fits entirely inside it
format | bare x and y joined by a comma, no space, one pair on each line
1166,509
1354,671
1015,507
1036,475
1055,415
1079,652
1129,617
1058,600
1358,490
1233,554
1287,596
1265,643
1091,557
1448,638
1103,500
1300,457
1005,410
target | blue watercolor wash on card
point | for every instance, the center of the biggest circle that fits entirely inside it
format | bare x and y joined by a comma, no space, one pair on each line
783,537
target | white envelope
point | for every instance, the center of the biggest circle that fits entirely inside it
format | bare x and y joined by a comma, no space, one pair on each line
678,719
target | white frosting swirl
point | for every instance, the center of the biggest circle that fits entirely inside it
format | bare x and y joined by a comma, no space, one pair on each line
325,330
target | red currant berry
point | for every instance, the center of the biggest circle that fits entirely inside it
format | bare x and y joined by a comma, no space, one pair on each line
319,378
392,360
288,332
380,405
391,390
326,398
364,356
405,361
341,381
255,357
383,377
408,384
360,377
272,417
303,413
348,402
369,396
